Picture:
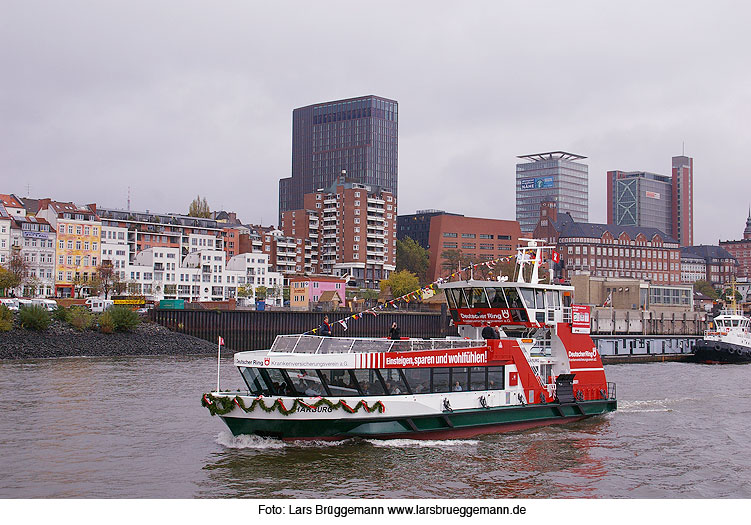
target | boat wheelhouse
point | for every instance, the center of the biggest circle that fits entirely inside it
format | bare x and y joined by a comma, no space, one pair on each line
728,341
519,361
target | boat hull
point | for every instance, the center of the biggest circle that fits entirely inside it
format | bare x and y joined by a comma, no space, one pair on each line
457,424
720,352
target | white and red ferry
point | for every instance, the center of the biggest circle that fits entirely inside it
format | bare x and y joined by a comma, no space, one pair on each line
542,369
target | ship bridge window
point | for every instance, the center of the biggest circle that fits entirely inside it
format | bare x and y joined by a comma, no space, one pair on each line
461,300
478,298
540,299
496,298
450,298
514,301
529,296
554,299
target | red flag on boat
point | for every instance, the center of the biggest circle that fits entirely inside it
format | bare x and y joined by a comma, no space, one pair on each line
556,257
221,341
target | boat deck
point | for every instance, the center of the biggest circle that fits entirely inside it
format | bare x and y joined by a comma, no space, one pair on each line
313,344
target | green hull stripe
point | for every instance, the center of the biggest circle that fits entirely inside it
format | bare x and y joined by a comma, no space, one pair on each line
384,426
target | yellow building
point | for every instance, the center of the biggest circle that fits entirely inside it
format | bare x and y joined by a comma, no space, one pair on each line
78,250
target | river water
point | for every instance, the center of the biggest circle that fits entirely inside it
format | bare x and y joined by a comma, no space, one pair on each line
134,428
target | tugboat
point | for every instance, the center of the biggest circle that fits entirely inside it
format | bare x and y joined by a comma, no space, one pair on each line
519,362
729,340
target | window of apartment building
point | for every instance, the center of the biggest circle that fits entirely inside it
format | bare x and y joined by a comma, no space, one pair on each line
450,245
485,236
468,235
468,246
449,234
357,220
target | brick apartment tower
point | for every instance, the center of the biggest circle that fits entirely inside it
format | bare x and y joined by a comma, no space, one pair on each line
683,200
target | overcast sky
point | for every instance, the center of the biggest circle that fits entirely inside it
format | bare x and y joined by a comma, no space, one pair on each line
182,98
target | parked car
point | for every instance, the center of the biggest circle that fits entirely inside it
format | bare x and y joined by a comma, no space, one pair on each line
48,304
10,303
98,305
24,303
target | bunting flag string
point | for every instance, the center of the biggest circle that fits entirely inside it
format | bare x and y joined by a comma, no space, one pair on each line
418,294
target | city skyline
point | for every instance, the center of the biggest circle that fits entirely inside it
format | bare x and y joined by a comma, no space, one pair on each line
96,104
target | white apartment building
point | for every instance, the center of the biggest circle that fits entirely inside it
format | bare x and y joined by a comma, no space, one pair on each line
202,275
5,242
35,241
115,249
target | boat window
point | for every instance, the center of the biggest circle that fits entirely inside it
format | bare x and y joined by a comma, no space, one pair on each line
439,380
370,382
495,378
479,299
554,299
477,378
418,379
394,383
735,322
496,298
459,379
307,382
540,299
461,301
277,383
529,297
339,382
514,301
256,384
450,298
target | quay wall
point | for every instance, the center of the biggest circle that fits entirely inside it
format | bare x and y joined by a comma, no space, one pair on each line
251,330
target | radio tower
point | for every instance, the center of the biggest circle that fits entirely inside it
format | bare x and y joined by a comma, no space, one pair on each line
128,198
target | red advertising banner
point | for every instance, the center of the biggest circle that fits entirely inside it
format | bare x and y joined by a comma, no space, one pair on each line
456,357
580,319
492,316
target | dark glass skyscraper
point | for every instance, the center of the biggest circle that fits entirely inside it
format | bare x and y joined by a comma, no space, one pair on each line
358,135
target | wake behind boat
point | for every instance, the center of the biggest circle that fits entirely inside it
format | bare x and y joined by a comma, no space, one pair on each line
531,368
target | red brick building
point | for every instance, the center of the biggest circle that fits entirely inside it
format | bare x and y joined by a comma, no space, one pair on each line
741,250
347,229
480,238
608,250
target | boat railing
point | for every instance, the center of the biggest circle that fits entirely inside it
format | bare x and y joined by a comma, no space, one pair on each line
567,315
315,344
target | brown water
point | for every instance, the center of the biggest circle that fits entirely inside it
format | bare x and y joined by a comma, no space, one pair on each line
134,428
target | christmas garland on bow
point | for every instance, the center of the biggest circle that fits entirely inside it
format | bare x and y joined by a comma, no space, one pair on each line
220,405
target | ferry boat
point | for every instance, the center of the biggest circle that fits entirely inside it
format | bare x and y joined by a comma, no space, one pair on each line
538,371
728,341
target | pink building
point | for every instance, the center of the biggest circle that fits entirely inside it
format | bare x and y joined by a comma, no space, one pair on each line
305,291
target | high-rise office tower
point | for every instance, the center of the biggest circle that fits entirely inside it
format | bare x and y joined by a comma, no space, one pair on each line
552,176
356,135
683,200
640,198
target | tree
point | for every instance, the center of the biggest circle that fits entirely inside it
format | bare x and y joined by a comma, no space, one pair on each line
108,277
401,283
412,257
19,270
95,285
8,280
727,295
706,288
261,293
199,208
